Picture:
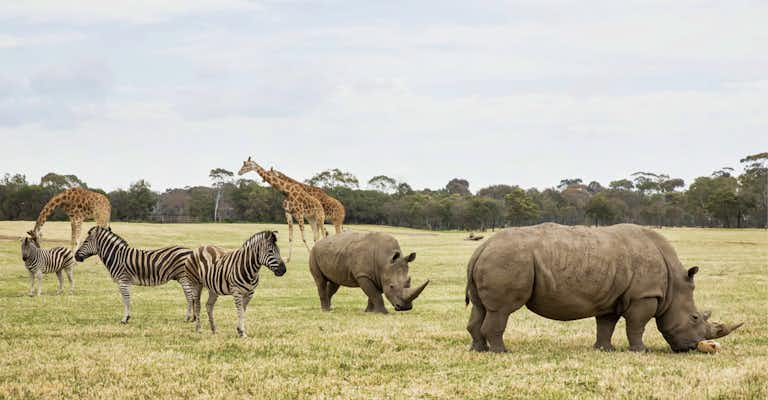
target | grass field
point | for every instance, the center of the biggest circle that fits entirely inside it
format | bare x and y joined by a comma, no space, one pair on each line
72,346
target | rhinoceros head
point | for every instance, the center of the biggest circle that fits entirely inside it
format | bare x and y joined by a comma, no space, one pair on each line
682,325
396,283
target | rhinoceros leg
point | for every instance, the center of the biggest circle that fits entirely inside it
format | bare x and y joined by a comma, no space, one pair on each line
322,284
475,323
333,287
375,301
637,316
493,328
605,326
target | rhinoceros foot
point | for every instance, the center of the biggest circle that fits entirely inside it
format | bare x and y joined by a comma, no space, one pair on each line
604,347
479,346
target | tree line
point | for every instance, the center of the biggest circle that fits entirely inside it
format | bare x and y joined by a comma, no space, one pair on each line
721,199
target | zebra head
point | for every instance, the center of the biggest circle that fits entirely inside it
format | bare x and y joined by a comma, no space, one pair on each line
98,238
28,246
267,252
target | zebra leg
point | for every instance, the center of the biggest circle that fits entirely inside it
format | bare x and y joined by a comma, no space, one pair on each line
125,292
240,313
39,282
31,284
61,282
71,280
289,219
198,294
209,308
247,299
189,294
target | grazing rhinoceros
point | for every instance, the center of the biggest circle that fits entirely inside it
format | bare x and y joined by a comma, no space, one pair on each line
567,273
369,260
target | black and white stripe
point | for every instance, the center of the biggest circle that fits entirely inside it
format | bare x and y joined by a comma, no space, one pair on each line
234,273
45,261
129,266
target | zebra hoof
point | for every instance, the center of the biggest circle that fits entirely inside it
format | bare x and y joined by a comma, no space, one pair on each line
125,320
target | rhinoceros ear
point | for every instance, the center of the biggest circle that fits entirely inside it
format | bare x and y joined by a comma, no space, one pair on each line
411,257
692,272
395,256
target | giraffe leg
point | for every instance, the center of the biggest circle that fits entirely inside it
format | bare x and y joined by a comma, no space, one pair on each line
316,228
289,219
76,224
300,219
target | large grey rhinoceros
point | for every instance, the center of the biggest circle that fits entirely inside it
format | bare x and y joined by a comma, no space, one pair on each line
567,273
369,260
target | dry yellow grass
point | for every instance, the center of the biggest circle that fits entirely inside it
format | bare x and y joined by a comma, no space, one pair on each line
72,346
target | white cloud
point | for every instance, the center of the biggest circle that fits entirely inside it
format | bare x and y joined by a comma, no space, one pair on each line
134,11
14,41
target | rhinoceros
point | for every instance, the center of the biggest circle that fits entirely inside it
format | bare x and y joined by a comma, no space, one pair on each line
568,273
369,260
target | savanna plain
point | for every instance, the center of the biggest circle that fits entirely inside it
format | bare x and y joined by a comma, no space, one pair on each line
73,346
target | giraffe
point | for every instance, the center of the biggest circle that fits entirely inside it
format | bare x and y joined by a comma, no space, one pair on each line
334,210
79,204
298,204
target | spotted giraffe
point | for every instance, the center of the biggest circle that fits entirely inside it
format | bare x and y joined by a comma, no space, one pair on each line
298,205
334,210
79,204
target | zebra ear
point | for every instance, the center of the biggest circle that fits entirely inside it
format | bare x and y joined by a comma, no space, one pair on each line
274,235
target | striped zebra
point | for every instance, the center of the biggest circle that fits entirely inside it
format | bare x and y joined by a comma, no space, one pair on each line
234,273
129,266
44,261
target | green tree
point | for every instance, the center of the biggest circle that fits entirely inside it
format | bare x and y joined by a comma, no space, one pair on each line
497,192
458,186
220,178
333,178
520,208
141,200
600,210
383,184
622,184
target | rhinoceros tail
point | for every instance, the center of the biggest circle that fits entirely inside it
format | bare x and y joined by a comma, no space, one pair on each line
468,291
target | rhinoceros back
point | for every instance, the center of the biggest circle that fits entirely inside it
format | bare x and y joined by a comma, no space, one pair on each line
350,254
568,273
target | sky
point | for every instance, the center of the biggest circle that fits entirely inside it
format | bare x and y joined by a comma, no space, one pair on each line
517,92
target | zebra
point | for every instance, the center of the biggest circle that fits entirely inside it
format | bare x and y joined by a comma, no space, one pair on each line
234,273
129,266
41,261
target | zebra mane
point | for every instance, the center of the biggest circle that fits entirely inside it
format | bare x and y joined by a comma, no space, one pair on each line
112,235
263,235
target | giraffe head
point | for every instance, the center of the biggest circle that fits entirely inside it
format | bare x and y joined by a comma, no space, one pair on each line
35,236
248,166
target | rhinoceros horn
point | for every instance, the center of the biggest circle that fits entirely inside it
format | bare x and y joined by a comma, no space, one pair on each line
412,294
719,330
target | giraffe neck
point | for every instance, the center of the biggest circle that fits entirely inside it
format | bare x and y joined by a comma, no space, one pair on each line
46,212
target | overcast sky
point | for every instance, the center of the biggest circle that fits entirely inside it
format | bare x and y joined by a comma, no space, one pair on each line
518,92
